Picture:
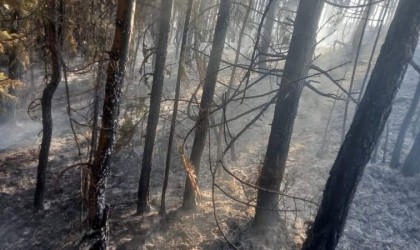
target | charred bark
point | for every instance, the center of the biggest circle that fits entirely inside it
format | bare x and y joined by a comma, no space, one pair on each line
181,69
209,86
46,99
153,119
296,69
97,208
368,124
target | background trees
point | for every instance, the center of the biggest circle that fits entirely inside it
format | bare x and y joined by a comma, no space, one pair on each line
368,123
267,81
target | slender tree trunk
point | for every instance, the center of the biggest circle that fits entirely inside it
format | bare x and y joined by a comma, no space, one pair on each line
375,44
396,154
47,95
267,34
178,34
97,208
375,151
153,119
411,165
94,133
207,98
356,47
296,69
181,69
15,71
238,49
366,128
361,26
136,51
385,149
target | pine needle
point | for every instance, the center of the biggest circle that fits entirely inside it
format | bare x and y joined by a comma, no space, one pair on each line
190,171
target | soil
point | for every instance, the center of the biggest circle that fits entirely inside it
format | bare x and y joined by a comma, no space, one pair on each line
384,214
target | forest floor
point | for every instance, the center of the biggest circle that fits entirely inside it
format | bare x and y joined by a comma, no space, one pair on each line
384,213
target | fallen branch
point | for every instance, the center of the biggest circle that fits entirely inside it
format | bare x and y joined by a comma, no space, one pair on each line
80,164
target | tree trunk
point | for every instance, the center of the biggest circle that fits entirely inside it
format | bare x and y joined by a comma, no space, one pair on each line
47,95
97,208
361,26
385,149
15,71
356,47
153,119
368,124
175,111
207,98
238,49
412,162
266,35
296,69
396,154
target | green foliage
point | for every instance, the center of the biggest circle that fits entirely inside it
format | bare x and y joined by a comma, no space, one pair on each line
6,85
7,99
25,7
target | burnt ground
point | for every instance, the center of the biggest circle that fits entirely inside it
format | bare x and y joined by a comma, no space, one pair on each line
384,214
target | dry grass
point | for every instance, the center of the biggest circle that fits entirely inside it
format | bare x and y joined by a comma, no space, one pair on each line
190,171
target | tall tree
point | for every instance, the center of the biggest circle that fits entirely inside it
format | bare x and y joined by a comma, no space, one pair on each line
153,119
396,154
361,26
181,70
296,69
97,208
368,123
209,86
238,47
266,36
412,162
51,35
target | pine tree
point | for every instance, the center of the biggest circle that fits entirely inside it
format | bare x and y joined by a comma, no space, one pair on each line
209,86
296,69
97,208
369,122
153,119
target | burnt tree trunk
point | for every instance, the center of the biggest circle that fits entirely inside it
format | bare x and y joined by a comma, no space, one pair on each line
153,119
412,162
367,126
296,69
209,86
181,69
266,36
396,154
97,208
46,99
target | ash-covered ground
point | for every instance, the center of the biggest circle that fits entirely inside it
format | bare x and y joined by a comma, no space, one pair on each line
384,214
